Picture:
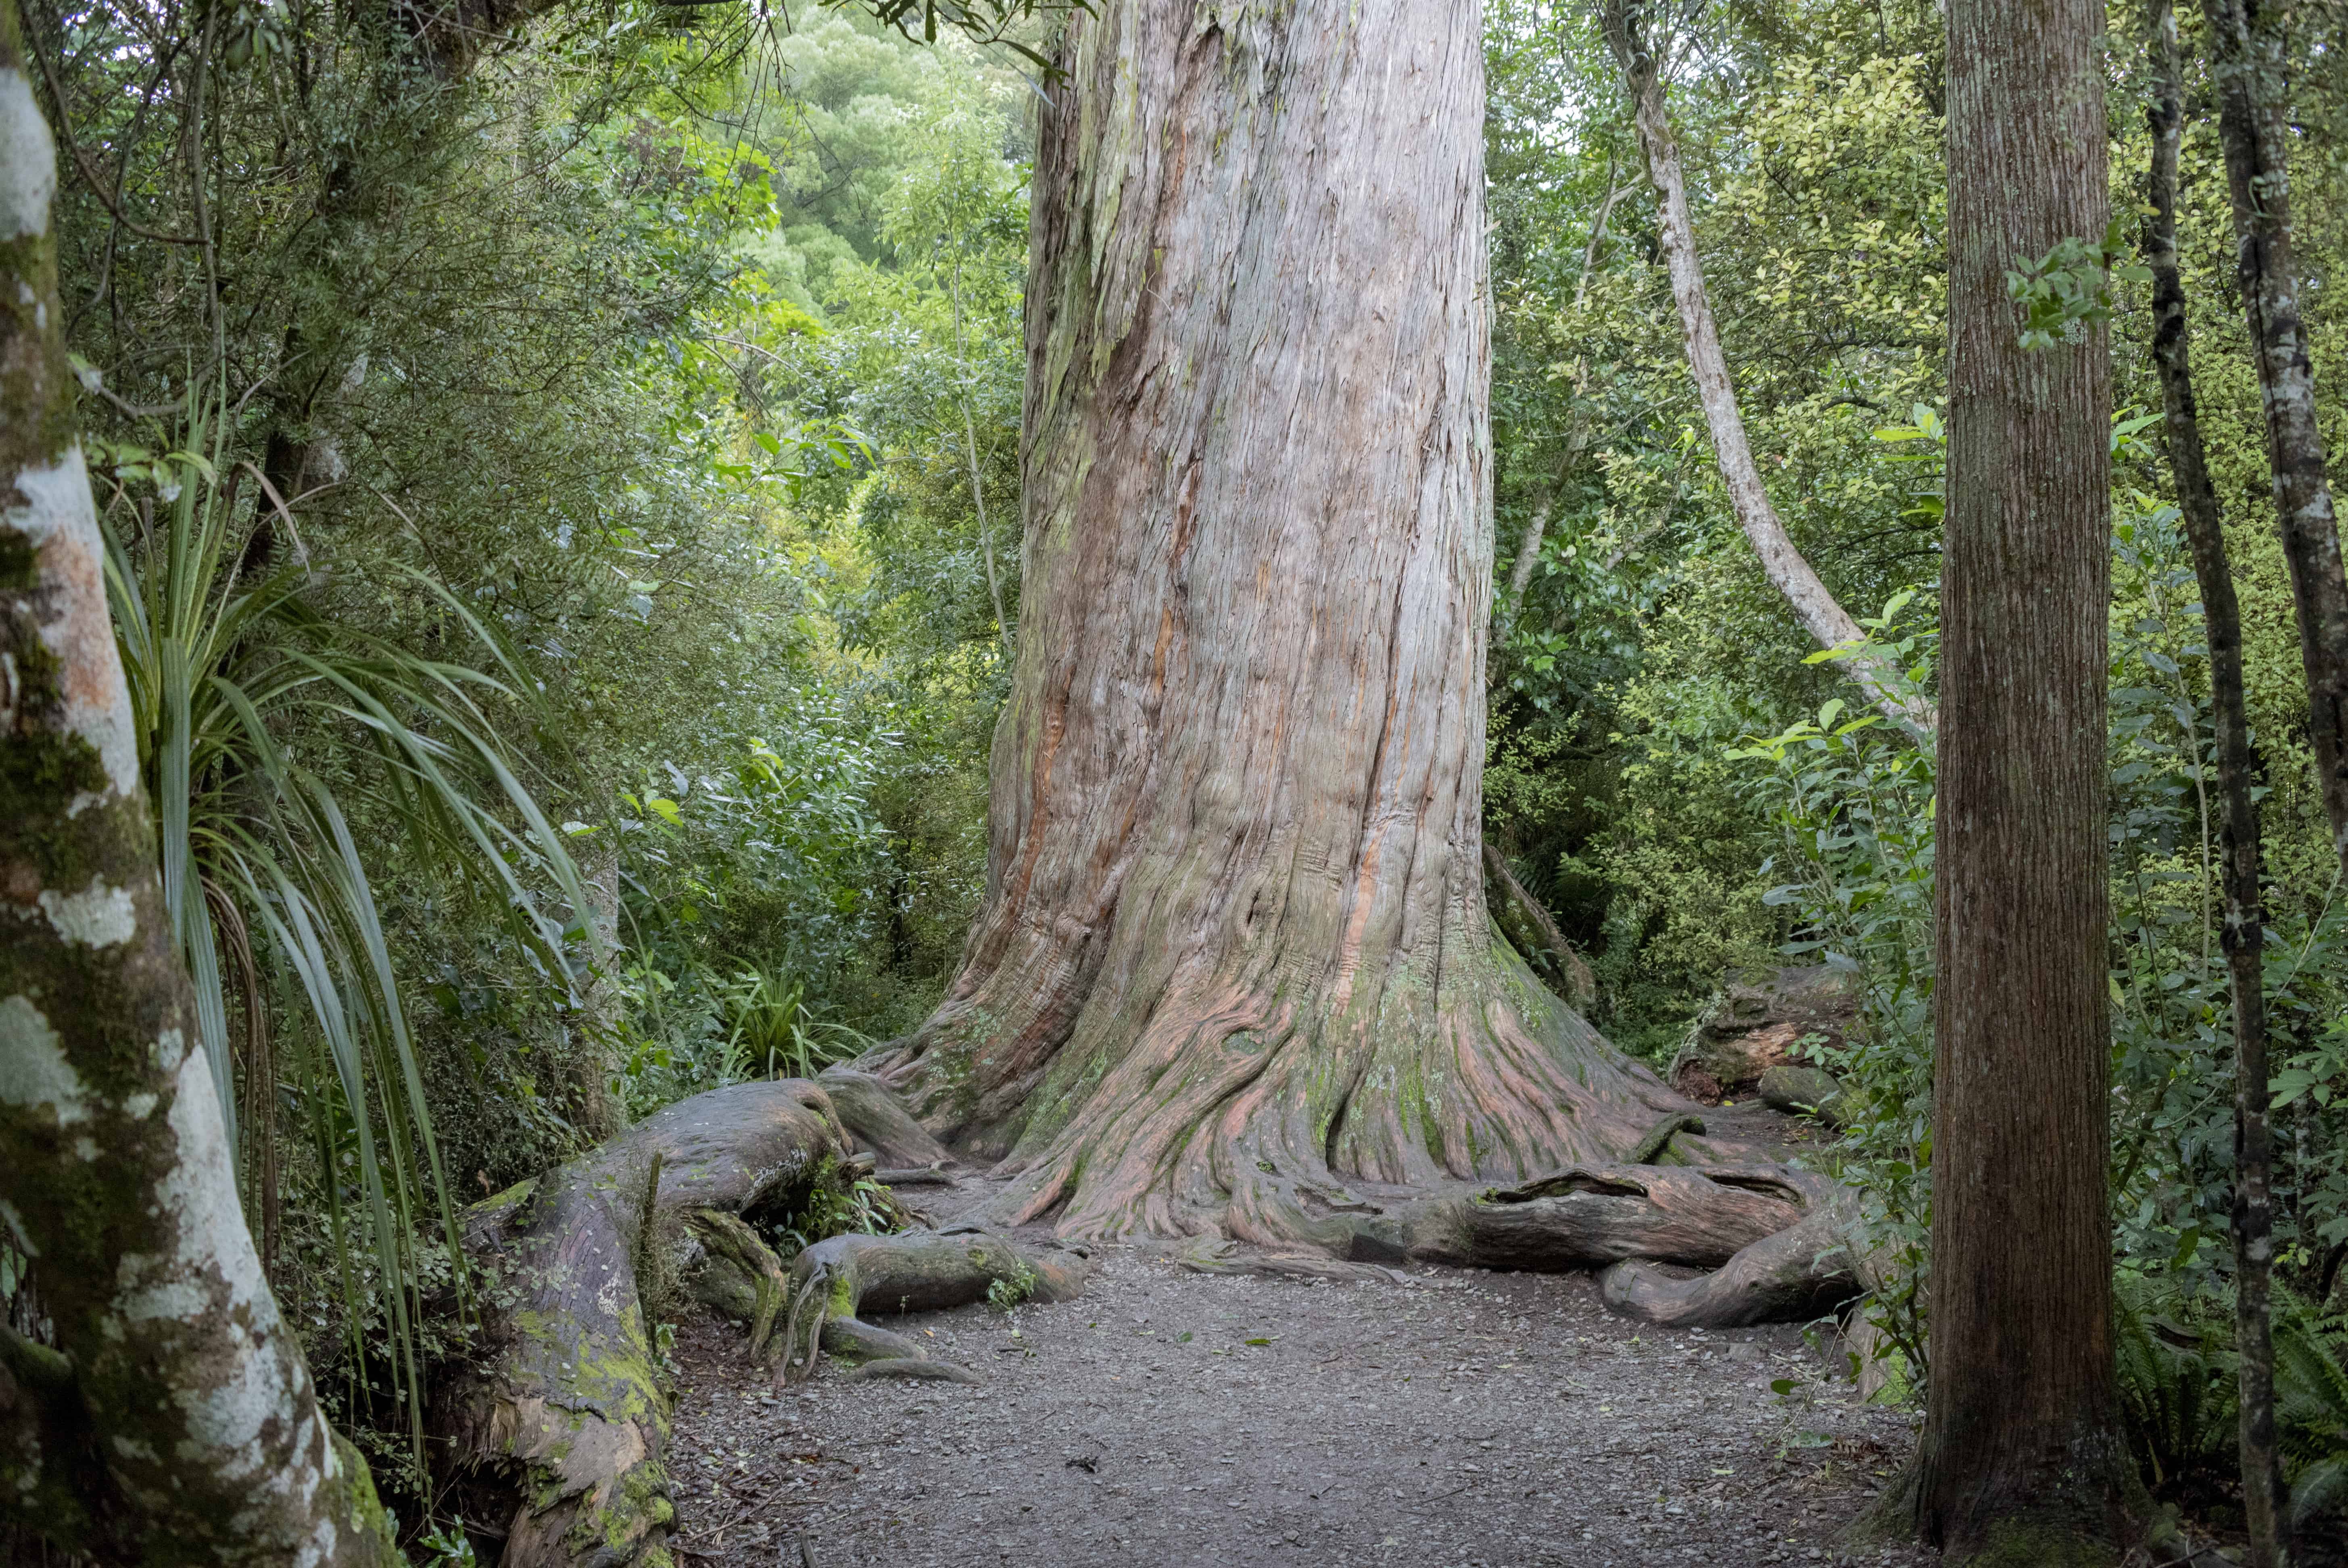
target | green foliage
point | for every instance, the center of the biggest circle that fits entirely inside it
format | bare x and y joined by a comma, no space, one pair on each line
224,663
2060,296
1004,1295
860,1206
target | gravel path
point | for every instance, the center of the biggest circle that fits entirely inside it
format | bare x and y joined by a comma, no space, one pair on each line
1461,1418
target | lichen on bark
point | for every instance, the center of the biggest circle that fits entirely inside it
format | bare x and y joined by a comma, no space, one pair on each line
189,1429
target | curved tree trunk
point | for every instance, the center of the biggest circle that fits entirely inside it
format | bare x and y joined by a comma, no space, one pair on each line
174,1420
1781,562
1233,960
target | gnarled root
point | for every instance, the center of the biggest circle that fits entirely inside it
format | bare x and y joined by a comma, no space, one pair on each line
740,1275
1799,1273
881,1123
559,1414
1590,1217
921,1271
1772,1236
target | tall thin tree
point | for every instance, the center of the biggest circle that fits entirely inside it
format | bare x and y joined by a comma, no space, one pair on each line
2243,934
1629,34
2248,67
2021,1458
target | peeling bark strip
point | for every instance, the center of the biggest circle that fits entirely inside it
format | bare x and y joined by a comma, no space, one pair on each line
2020,1450
2245,927
175,1421
1233,961
1824,618
2253,94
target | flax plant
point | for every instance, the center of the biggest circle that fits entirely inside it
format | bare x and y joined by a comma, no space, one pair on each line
266,727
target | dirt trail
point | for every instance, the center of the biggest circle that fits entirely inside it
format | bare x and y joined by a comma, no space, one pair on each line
1462,1418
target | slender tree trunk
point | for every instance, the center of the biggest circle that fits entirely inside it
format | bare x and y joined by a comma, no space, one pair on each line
1577,437
2020,1457
174,1420
1820,613
2244,931
977,480
2247,61
1234,962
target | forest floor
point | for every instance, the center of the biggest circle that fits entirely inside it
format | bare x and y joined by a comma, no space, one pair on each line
1444,1417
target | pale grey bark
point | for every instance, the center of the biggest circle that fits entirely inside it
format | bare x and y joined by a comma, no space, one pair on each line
1788,572
180,1425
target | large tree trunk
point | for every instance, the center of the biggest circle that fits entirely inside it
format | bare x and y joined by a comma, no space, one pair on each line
2247,62
1233,960
2245,929
173,1420
2020,1450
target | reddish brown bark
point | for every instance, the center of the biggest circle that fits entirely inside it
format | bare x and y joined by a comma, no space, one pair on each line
2020,1457
1233,963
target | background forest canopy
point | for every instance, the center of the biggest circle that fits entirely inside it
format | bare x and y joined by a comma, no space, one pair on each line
566,527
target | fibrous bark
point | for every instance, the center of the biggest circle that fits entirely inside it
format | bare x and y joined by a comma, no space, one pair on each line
2247,65
174,1420
1233,955
2243,934
2021,1456
1788,571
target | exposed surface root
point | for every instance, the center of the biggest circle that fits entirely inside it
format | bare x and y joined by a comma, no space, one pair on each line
835,1281
911,1370
559,1424
1592,1216
1213,1257
1794,1275
880,1123
560,1417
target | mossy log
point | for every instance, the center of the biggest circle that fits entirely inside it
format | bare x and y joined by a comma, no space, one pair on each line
558,1421
834,1282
